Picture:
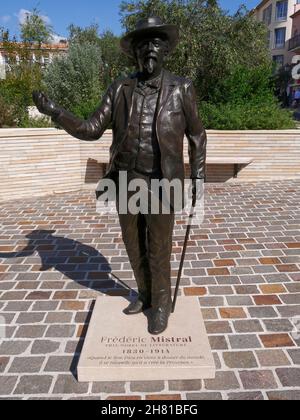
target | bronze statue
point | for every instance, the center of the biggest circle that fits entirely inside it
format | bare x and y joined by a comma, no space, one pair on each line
150,113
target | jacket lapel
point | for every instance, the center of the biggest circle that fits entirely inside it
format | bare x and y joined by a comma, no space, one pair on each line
129,86
168,85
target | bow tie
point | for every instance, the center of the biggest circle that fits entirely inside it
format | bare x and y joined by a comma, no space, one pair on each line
153,84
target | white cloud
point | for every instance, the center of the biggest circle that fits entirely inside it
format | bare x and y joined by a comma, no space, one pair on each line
23,14
5,18
55,39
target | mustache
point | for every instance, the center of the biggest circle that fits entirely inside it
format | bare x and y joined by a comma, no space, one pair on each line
150,55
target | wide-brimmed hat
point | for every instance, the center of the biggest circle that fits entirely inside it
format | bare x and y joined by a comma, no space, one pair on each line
150,26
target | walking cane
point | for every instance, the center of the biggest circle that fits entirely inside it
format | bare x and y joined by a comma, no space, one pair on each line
187,237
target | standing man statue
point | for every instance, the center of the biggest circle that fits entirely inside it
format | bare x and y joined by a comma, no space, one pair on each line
150,112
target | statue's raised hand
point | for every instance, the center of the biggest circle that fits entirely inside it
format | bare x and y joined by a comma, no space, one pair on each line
45,105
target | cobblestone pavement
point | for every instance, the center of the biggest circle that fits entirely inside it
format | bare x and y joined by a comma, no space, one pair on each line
243,264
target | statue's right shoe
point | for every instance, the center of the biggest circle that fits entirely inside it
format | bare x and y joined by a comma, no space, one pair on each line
136,307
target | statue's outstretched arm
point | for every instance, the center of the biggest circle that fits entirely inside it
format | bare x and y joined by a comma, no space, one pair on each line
91,129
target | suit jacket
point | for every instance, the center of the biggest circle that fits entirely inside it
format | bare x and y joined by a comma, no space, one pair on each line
176,116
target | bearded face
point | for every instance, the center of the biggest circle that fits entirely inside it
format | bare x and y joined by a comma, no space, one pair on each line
150,55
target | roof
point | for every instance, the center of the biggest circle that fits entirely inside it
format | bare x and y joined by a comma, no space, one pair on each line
260,5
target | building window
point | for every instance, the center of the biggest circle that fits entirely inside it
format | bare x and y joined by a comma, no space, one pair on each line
281,10
268,39
280,35
278,60
267,15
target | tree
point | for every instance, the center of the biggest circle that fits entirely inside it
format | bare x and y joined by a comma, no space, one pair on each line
212,42
115,63
79,35
22,77
73,81
35,30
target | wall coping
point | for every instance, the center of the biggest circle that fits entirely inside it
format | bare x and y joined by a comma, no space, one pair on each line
46,132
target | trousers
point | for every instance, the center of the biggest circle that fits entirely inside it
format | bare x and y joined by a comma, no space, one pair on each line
148,242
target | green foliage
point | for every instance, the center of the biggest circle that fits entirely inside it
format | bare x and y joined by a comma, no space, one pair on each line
73,81
79,35
225,56
212,43
7,113
250,115
115,63
42,122
16,92
34,29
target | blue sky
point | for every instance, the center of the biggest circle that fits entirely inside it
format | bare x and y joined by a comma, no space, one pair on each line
60,13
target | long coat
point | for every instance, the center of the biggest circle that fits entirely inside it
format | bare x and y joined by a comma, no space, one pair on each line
176,116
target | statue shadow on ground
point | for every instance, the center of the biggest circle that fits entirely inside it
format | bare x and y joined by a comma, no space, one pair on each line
81,263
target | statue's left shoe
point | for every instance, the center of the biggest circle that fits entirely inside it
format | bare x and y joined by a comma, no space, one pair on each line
158,322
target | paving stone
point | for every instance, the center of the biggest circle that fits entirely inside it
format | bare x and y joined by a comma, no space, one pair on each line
218,327
220,290
14,347
284,395
60,331
17,306
72,305
232,313
295,356
269,358
38,296
244,341
248,326
239,300
124,398
218,342
245,396
262,312
191,385
272,288
45,306
276,340
246,290
108,387
163,397
26,365
223,381
292,299
211,301
3,363
204,396
278,325
44,347
67,384
7,384
289,311
195,291
267,300
61,364
30,317
289,377
146,386
262,379
240,360
59,317
31,331
277,278
33,385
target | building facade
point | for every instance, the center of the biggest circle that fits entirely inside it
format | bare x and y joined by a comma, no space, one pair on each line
16,52
278,16
294,42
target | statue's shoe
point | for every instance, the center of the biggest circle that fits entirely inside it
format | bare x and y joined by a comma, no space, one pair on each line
158,322
136,307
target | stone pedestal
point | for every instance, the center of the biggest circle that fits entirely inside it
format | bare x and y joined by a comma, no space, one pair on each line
119,348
